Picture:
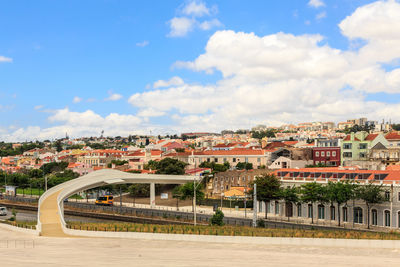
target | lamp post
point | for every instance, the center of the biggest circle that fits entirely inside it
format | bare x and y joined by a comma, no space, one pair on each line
194,198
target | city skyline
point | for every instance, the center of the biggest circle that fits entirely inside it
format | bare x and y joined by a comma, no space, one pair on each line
194,66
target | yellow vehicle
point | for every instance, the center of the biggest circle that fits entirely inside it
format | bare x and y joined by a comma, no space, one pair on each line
106,200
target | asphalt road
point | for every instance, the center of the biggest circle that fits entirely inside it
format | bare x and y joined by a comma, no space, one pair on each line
29,216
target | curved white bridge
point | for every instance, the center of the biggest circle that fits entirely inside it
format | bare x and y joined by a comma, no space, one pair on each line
51,210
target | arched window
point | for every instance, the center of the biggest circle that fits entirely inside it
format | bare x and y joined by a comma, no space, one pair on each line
398,219
344,209
321,212
333,214
310,211
299,210
387,218
374,218
358,215
276,207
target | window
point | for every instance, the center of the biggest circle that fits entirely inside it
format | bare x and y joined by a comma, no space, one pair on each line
224,160
358,216
347,154
399,196
398,219
317,154
310,211
328,153
387,195
299,210
321,212
269,207
333,153
234,159
363,146
387,218
215,160
363,155
322,154
333,217
374,217
276,207
347,146
344,211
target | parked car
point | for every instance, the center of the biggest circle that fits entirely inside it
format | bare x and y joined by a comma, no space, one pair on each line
3,211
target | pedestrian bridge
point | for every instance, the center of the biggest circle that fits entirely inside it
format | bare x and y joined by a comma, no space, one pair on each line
51,204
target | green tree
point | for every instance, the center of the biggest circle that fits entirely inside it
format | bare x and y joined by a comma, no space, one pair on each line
290,195
53,167
139,190
312,193
244,166
340,192
186,191
371,194
268,189
171,166
217,218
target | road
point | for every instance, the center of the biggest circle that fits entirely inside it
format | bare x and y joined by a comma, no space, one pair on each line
30,216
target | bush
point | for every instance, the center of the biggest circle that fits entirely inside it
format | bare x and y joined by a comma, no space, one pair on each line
260,223
217,218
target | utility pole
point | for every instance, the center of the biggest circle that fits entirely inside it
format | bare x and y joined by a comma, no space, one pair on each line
255,206
45,182
245,197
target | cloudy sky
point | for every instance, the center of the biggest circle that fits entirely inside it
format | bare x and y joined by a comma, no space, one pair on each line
125,67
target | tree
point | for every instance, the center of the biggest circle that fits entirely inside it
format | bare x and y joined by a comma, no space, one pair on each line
311,193
142,190
177,194
186,191
171,166
217,218
244,165
340,192
53,167
215,166
371,194
290,195
268,189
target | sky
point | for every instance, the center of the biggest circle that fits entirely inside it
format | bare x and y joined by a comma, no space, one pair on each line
166,67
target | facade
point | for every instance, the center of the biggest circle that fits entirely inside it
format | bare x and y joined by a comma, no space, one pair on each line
385,215
225,181
328,156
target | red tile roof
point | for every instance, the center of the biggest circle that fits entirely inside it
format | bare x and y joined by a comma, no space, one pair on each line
371,137
393,136
348,138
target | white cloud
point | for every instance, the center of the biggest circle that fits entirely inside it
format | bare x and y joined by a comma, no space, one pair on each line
38,107
316,3
286,78
5,59
77,99
321,15
274,79
180,26
189,20
113,96
196,8
209,24
174,81
78,124
142,44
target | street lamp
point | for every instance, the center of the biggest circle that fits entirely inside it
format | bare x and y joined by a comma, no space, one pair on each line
194,198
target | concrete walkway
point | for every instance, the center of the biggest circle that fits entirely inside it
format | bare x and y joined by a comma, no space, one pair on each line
50,217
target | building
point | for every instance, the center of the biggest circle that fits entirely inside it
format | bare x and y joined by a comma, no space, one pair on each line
352,214
225,181
327,152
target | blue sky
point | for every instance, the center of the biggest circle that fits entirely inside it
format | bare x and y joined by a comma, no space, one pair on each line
55,51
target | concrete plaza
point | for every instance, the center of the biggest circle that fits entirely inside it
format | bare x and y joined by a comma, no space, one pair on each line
51,251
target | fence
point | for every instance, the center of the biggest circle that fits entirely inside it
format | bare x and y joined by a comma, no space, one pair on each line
17,244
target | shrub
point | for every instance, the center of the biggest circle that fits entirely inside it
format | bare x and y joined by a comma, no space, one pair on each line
260,223
217,218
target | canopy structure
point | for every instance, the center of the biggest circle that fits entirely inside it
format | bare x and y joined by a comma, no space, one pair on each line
51,210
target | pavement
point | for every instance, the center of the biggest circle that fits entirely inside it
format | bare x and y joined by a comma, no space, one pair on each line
21,249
